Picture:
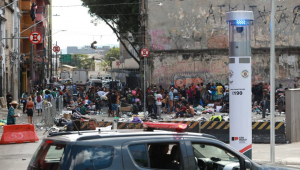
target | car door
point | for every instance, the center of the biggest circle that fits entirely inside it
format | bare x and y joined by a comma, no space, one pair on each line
155,154
213,154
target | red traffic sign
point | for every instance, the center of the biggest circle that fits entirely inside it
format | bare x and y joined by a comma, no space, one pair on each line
118,63
56,49
145,52
35,37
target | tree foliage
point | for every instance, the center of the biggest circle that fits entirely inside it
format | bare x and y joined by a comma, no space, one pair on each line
122,16
112,55
82,61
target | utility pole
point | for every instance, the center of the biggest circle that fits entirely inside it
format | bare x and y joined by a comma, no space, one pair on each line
43,59
31,64
56,63
61,67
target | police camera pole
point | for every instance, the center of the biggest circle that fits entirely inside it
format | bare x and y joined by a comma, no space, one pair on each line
145,62
240,135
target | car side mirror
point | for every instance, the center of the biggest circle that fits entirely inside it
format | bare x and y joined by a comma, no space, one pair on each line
247,165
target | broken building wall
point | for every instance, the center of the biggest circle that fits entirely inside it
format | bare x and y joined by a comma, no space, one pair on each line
211,67
191,26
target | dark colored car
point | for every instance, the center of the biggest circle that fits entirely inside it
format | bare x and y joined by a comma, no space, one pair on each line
137,150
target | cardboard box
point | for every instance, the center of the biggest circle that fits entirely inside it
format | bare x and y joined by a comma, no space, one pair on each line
67,116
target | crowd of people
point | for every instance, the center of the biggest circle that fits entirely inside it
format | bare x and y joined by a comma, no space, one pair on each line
176,100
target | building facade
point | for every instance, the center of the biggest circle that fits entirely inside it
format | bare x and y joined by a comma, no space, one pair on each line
189,41
35,67
9,50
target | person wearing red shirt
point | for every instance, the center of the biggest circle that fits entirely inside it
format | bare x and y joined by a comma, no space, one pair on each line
181,112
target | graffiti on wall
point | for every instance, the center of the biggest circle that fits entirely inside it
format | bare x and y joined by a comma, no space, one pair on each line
158,40
187,72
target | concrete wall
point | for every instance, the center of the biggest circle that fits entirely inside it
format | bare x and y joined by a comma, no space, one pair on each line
212,66
189,41
201,24
293,115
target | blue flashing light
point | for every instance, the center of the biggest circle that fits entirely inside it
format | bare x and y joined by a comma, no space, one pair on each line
241,22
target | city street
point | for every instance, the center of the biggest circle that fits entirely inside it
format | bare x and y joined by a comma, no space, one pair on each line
226,69
17,156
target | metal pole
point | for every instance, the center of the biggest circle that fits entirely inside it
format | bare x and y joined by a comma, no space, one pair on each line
272,81
43,59
31,64
61,67
56,63
145,86
19,64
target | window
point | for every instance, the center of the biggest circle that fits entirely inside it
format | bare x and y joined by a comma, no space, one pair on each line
48,156
92,157
139,154
212,157
157,155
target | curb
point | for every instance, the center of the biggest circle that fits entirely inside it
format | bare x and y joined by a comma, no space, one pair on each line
279,162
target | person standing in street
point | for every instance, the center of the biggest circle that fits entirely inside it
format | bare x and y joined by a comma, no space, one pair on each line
219,91
29,107
8,99
150,101
74,89
158,99
171,100
24,100
11,116
266,103
39,101
114,105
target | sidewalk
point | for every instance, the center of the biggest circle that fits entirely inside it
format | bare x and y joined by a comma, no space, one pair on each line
285,154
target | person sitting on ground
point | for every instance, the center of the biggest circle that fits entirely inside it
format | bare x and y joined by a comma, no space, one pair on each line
190,110
11,116
83,109
92,124
181,112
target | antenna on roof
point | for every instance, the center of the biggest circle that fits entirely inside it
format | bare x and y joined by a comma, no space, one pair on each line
76,128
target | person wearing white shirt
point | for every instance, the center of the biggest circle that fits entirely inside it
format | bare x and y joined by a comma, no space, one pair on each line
39,100
62,87
158,98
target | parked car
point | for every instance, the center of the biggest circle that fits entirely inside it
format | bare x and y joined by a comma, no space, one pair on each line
133,149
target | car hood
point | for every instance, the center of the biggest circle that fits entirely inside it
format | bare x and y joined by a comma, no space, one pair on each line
276,167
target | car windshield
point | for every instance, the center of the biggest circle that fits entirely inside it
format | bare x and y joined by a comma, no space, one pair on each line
209,151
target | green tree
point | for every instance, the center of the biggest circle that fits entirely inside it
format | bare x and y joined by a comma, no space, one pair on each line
82,61
122,16
112,55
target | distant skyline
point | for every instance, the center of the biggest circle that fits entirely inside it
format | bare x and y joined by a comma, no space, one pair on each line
79,30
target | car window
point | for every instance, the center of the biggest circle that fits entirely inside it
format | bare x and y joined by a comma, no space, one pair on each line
213,156
157,155
139,154
92,157
48,156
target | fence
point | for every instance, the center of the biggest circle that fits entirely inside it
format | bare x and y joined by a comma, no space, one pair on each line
59,102
47,108
50,109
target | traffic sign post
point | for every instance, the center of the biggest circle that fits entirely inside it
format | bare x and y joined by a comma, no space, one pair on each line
145,53
56,49
35,37
66,58
118,63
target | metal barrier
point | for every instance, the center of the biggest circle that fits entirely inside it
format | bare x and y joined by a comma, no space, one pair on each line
60,104
48,113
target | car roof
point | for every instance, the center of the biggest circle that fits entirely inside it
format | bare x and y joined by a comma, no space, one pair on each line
136,133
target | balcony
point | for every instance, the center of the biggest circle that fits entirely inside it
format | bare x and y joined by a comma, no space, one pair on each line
25,5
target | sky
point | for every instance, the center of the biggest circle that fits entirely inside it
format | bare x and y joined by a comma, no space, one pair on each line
79,29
